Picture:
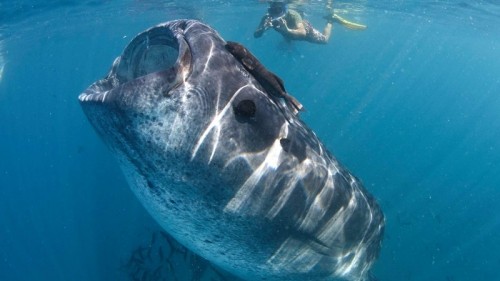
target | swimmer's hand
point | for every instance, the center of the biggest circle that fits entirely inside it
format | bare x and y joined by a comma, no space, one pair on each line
280,25
268,22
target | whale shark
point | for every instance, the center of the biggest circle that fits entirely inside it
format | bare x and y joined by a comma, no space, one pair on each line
227,168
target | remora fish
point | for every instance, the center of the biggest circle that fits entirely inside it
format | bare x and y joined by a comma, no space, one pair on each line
217,163
271,83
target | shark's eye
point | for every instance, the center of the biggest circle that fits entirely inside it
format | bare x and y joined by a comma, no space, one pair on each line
245,109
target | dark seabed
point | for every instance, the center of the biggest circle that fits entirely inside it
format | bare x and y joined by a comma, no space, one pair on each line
410,105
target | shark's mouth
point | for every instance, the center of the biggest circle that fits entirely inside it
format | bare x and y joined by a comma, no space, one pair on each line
155,50
158,53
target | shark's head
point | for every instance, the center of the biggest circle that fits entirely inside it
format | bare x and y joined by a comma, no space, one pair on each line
167,87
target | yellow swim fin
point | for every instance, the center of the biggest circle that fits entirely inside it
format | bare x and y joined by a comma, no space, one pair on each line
348,24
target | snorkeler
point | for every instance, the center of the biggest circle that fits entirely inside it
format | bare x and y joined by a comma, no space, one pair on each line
292,26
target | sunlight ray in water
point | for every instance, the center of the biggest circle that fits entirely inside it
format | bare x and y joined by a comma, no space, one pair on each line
2,62
1,70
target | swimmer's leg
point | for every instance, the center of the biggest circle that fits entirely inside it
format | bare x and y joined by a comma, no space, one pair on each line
314,36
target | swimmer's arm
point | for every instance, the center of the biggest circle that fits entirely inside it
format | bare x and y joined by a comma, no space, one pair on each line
299,32
263,26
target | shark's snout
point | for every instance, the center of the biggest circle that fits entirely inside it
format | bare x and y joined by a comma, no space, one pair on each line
157,55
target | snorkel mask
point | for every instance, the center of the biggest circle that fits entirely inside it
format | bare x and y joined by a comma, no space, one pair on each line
277,9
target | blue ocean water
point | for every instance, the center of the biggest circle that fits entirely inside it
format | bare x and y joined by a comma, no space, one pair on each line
410,105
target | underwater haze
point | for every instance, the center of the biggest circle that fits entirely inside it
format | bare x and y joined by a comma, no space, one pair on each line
411,106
